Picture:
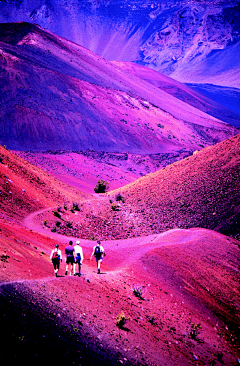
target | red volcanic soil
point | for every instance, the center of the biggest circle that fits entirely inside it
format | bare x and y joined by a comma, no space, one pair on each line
26,188
183,283
199,191
178,291
83,169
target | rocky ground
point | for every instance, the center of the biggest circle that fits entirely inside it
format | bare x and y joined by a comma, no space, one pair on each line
176,292
199,191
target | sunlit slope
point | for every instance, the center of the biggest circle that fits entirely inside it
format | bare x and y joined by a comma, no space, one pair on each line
198,191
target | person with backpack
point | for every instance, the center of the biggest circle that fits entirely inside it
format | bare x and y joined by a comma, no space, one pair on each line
98,252
78,259
69,251
56,257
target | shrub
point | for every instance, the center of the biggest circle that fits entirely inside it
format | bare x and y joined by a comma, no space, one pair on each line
58,223
57,214
54,229
45,223
195,330
119,197
152,319
121,320
69,224
138,292
75,207
101,186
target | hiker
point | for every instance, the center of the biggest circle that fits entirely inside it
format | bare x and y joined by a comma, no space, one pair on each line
78,259
98,253
69,251
56,257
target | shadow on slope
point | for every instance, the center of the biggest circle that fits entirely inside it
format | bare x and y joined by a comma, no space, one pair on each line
220,102
226,96
34,332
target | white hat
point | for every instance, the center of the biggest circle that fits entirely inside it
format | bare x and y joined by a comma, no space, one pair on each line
77,242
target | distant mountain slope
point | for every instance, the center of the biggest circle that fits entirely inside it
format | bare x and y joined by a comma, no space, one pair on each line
194,41
227,96
214,104
198,191
58,95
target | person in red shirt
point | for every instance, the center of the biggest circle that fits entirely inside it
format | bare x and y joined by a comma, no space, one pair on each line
56,257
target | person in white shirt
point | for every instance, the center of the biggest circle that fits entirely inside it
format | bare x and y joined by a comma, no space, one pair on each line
56,257
98,252
78,259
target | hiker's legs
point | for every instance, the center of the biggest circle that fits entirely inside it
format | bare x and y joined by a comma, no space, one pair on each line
56,266
99,264
67,268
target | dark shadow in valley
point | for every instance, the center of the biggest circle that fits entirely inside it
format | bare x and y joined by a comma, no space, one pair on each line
34,329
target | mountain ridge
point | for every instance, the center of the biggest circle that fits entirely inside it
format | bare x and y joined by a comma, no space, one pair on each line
164,36
55,92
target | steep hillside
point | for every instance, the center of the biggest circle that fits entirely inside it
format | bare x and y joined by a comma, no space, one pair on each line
194,41
58,95
26,188
198,191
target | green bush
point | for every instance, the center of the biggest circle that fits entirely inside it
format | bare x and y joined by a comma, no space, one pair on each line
102,186
195,330
119,197
138,292
121,320
75,207
57,214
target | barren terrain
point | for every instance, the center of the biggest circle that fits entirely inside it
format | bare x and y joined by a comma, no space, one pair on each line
177,290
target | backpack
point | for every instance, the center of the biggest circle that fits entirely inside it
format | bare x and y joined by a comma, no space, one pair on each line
97,252
55,255
78,257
